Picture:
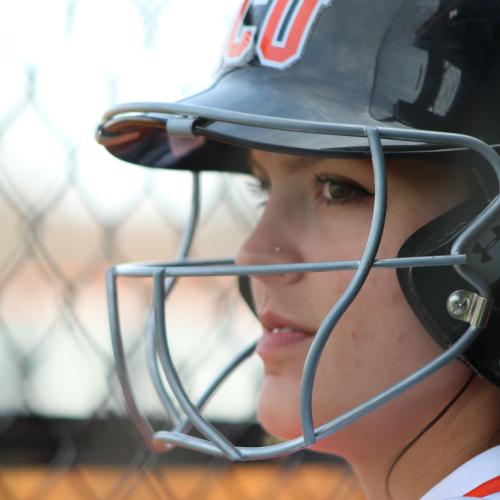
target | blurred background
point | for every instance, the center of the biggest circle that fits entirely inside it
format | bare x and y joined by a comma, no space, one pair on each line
68,210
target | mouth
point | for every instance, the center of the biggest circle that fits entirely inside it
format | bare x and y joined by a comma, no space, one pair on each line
281,334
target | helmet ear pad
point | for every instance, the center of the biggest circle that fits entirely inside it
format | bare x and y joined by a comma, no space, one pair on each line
427,290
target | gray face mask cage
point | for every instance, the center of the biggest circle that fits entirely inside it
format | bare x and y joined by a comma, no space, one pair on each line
186,414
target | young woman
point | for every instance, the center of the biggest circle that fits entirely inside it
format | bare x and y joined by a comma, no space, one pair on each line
344,339
320,210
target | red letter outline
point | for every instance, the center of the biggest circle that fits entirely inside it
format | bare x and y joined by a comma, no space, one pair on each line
241,38
281,55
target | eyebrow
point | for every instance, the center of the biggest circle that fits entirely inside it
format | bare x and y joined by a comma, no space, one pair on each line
291,162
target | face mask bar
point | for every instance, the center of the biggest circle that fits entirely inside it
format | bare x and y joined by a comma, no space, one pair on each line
152,344
164,275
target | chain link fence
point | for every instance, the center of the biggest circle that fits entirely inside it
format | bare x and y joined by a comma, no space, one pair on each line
67,212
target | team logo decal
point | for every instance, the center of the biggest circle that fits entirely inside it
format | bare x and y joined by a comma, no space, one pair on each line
483,251
279,42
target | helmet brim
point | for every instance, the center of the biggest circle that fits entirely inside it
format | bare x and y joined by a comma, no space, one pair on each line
143,139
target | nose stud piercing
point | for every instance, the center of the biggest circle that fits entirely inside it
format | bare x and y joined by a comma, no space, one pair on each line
277,249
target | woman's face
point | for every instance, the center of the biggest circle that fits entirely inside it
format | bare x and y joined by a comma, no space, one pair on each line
320,210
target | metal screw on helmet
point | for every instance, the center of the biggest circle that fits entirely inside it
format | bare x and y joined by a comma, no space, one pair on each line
458,303
470,307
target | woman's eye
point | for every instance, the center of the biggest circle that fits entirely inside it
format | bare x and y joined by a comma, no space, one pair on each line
260,189
337,191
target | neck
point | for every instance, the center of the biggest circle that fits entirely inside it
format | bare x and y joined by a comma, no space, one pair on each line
445,444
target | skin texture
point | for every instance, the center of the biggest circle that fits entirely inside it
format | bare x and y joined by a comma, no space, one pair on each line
320,209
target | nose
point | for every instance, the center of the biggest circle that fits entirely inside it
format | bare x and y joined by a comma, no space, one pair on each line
273,241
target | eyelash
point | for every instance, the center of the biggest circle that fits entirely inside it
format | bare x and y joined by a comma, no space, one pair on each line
356,191
262,187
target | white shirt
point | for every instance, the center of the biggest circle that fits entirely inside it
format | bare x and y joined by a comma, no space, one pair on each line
468,477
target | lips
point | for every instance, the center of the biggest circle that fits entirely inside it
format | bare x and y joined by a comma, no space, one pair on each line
281,334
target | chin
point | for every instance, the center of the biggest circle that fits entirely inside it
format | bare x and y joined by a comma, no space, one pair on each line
278,409
279,414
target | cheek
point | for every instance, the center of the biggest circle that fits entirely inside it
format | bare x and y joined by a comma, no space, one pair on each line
377,343
354,365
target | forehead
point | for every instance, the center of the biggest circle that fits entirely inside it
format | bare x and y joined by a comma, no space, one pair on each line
264,160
